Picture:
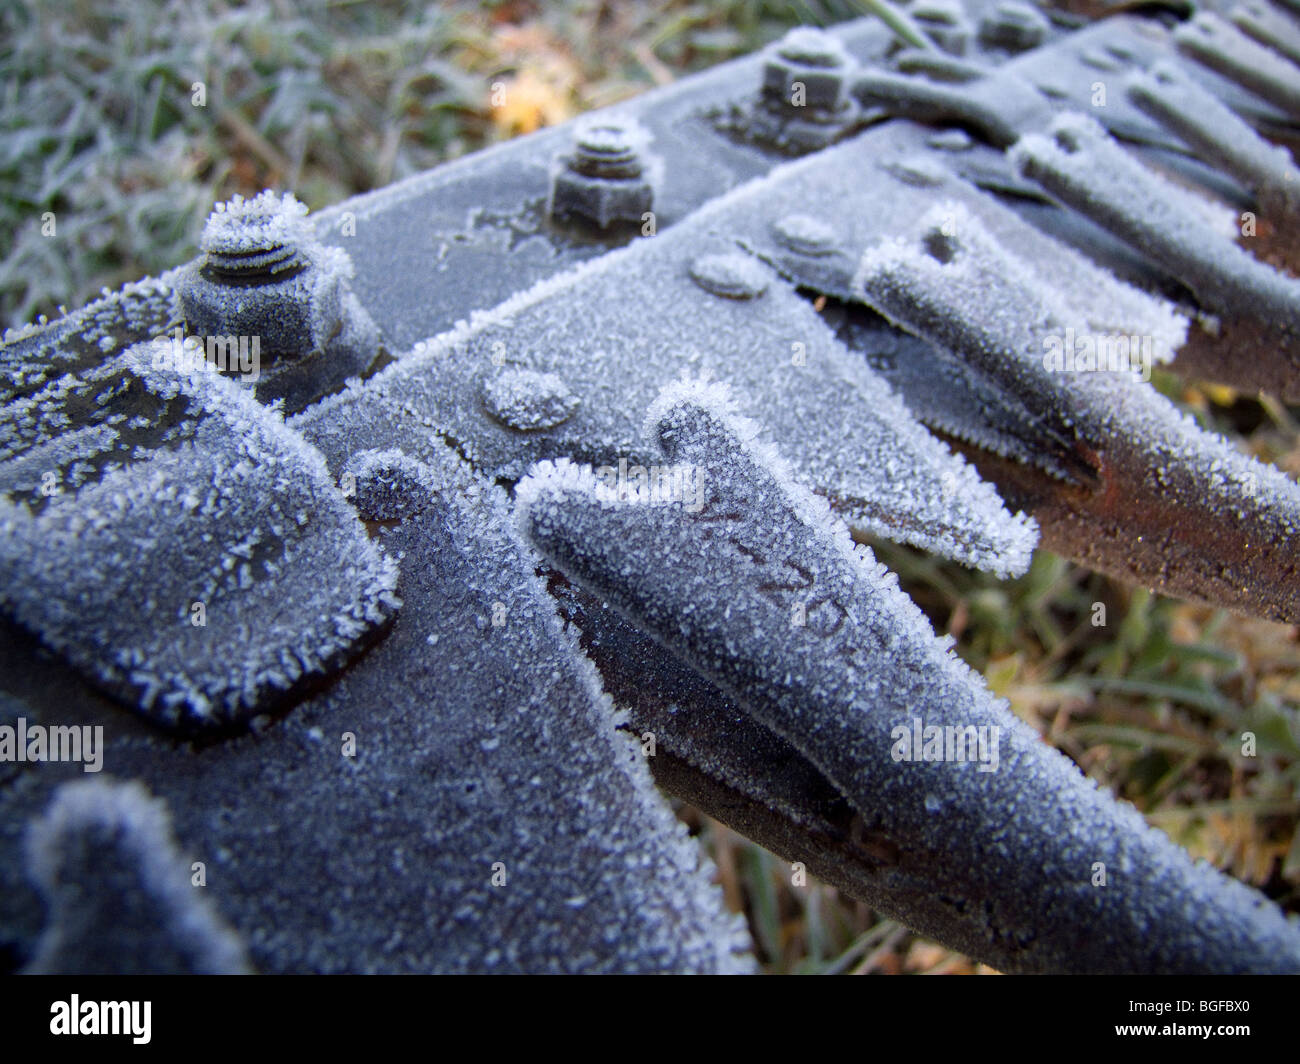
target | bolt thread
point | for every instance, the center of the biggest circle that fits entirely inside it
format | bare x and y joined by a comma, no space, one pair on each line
260,266
606,151
252,242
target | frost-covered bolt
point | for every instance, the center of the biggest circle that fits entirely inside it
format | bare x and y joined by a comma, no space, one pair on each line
807,68
259,276
1013,25
264,276
606,179
945,23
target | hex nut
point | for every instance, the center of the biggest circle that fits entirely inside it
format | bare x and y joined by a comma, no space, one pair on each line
945,23
606,179
812,59
294,315
599,200
1013,25
261,274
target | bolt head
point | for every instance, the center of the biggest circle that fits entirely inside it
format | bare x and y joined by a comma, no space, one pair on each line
255,241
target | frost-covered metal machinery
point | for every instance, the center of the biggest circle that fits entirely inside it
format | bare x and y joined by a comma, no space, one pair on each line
392,550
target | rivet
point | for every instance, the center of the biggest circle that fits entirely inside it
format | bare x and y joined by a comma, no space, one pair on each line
1100,60
917,171
951,140
804,234
730,274
527,400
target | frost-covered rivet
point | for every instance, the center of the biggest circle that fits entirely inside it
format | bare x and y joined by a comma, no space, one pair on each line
730,274
917,171
1100,60
389,485
527,400
605,179
804,234
950,140
1012,25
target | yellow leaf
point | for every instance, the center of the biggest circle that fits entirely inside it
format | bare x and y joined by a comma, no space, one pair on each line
527,102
